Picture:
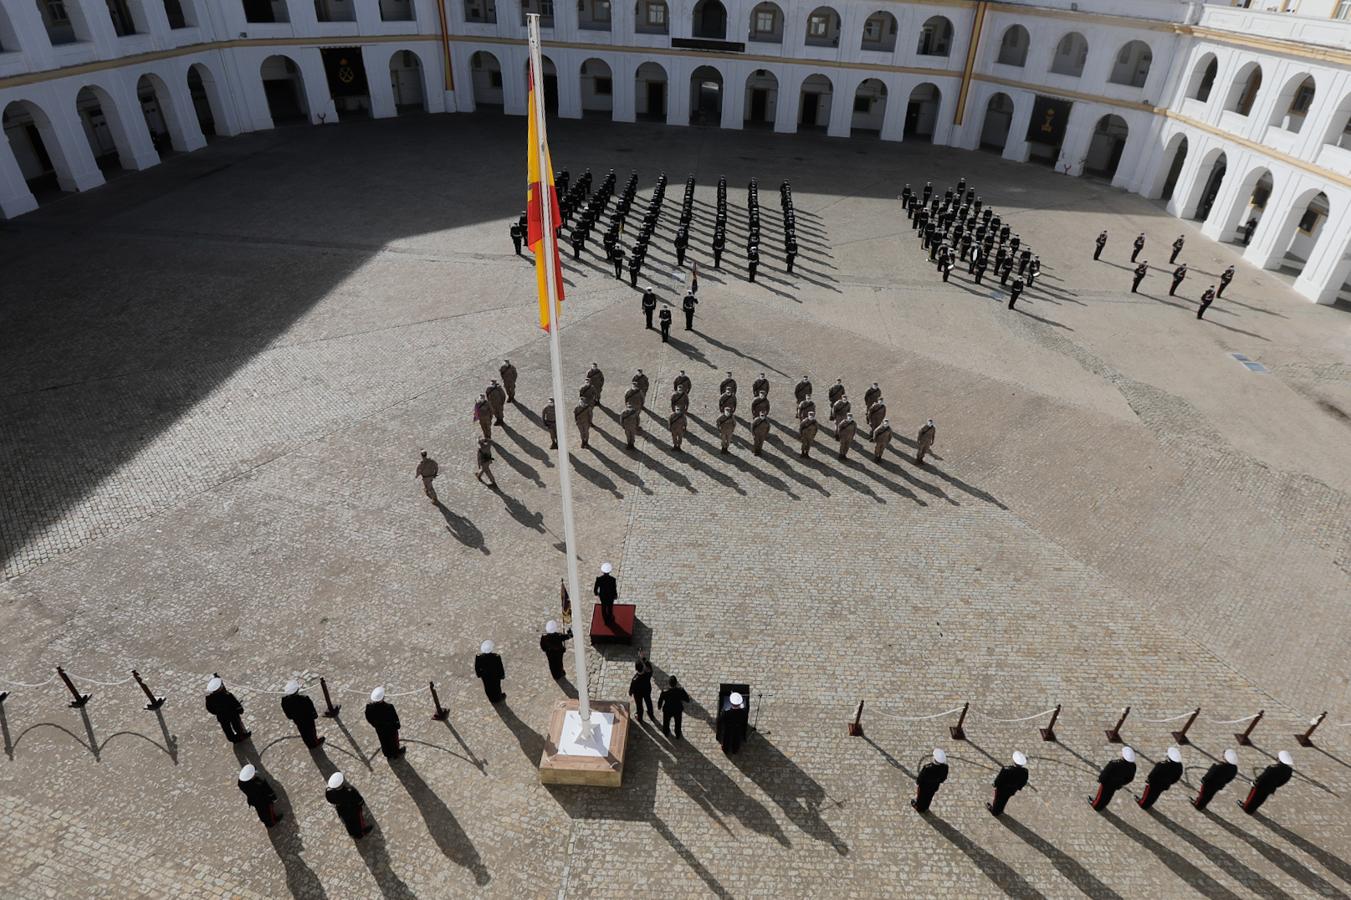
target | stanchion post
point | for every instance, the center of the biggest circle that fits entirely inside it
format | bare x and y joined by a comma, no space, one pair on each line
80,699
1180,736
441,714
155,702
332,711
1048,733
1304,740
956,730
1243,738
1114,733
856,726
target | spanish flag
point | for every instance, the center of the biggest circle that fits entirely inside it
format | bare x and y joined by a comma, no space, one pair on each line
539,186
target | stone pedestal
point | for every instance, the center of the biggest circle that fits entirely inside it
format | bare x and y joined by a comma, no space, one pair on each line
598,762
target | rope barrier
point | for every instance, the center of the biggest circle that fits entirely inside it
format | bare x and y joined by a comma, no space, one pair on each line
1181,716
1045,712
23,684
955,709
1232,721
100,683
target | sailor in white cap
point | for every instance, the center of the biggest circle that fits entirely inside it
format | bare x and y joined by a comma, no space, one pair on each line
300,710
384,718
554,643
259,795
1268,781
931,775
1009,781
227,710
607,590
1164,774
349,804
488,667
732,722
1114,776
925,441
1216,779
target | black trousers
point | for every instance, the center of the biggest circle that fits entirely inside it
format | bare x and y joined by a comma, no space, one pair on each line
1103,797
389,742
266,814
1200,312
1173,258
668,717
232,726
1220,292
647,313
1255,800
1149,797
639,700
1097,251
924,796
556,665
1204,796
607,611
354,821
665,330
1135,285
999,802
1136,253
307,732
492,689
689,320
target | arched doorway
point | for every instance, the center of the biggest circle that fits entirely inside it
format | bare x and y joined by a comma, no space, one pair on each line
206,99
921,112
1301,231
285,89
161,119
994,133
1106,146
705,96
105,130
814,102
597,89
36,149
405,78
1179,158
710,20
649,96
485,79
762,98
1249,206
1209,185
870,107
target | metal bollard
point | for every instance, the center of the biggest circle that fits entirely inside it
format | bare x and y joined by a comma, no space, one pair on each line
80,699
1048,733
155,702
956,730
1114,733
332,711
856,726
1304,740
1243,738
441,714
1181,735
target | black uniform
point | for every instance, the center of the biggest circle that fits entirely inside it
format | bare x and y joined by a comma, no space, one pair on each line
640,689
1207,298
1225,277
1267,782
1164,775
227,710
688,305
1216,779
261,797
349,804
516,237
732,725
1177,248
1140,272
300,710
554,647
1114,776
607,589
1178,275
1015,291
1139,245
385,720
930,777
1009,781
649,306
672,705
664,320
488,668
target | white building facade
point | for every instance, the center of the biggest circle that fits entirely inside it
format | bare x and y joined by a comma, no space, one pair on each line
1234,117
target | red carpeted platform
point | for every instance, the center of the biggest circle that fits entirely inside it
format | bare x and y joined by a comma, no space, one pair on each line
620,631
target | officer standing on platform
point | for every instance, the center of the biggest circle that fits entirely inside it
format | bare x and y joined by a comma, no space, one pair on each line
664,320
1271,779
931,776
300,710
1114,776
349,804
259,795
687,305
384,718
554,644
1139,245
881,437
549,415
606,589
1009,781
759,431
1216,779
649,305
488,668
672,702
1207,298
227,710
1140,272
1165,774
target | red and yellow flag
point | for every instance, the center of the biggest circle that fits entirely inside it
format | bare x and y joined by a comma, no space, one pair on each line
540,185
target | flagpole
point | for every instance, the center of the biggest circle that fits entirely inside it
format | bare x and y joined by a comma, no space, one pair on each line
564,414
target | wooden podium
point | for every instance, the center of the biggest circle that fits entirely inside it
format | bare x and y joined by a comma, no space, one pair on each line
618,631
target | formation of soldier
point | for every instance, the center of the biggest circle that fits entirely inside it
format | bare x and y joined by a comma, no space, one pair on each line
1141,270
959,227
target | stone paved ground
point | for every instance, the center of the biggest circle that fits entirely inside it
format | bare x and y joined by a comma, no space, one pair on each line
216,376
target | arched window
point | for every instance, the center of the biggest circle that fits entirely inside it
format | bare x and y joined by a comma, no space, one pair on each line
593,15
1013,46
935,38
710,20
481,11
1243,90
1293,104
766,25
823,28
1070,55
544,8
1132,64
879,32
1203,78
651,17
397,11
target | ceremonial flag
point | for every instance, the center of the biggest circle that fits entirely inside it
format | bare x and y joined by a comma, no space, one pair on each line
540,189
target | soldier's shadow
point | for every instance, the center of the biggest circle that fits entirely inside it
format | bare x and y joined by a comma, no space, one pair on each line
375,854
795,792
463,529
999,872
1180,867
1066,865
441,824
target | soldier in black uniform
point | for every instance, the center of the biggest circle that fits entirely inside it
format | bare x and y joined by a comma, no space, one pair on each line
516,237
1009,781
488,668
1139,245
672,702
578,239
1177,248
384,718
1179,274
349,804
259,795
649,305
606,589
1207,298
1271,779
1164,774
682,241
931,776
1015,292
619,262
1225,277
790,250
1114,776
719,244
300,710
1140,272
554,644
640,687
1248,228
664,321
227,710
687,305
1216,779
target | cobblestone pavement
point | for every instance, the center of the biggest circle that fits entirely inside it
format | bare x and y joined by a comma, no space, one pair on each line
216,378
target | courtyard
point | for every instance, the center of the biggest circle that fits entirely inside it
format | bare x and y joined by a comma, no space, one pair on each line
217,376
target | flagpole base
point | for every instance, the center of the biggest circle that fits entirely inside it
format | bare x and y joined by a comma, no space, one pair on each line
597,762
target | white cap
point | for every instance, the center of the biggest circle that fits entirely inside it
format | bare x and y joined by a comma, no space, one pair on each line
1018,758
1128,754
606,568
335,780
735,698
292,687
940,756
931,421
247,773
551,626
377,695
485,647
213,685
1231,757
1285,757
1175,754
